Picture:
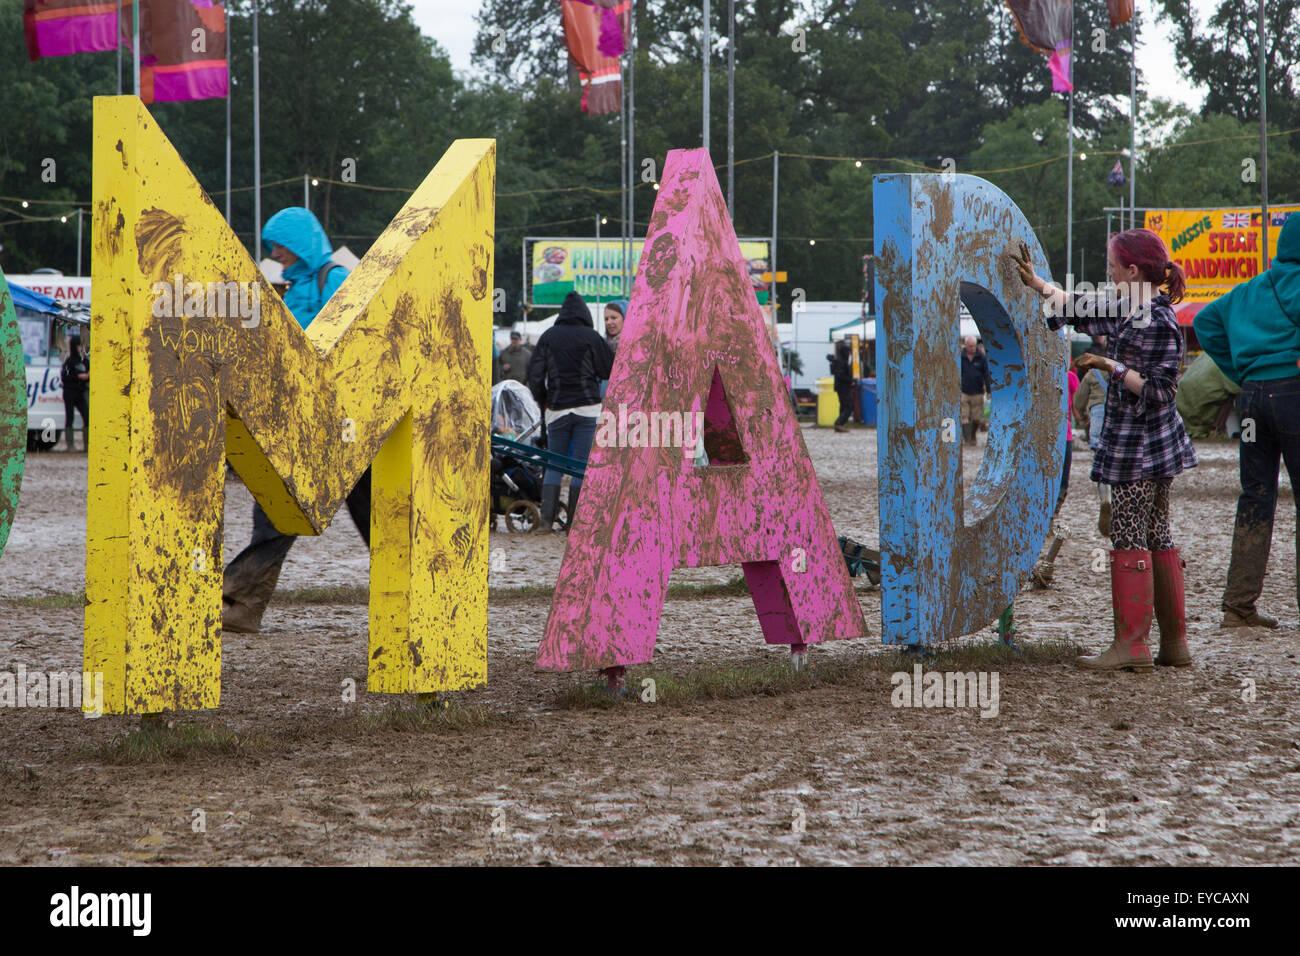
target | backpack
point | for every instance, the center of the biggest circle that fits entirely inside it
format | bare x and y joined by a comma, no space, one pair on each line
323,275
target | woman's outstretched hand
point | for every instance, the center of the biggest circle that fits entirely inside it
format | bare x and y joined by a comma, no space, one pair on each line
1091,360
1026,269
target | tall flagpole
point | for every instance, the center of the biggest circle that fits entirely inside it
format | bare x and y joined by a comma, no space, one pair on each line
1132,119
631,150
1069,172
623,176
135,43
731,111
228,97
708,36
1263,146
257,143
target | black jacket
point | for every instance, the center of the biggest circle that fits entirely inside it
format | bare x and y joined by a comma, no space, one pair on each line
570,359
74,365
975,378
842,365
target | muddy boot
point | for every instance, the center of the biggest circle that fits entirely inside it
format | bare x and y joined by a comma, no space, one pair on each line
968,431
1132,594
1250,548
249,581
1171,613
1253,619
550,501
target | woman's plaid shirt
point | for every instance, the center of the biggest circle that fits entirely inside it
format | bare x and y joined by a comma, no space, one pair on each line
1143,435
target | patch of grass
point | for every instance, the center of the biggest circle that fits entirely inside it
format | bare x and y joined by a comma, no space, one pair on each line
353,594
170,742
419,717
736,587
345,594
772,677
58,599
755,679
526,592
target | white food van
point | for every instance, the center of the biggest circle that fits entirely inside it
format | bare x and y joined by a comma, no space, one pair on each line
44,328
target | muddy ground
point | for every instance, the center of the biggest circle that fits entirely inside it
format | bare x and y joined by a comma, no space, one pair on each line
1170,767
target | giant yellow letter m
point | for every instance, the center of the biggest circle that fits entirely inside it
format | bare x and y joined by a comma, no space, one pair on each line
392,373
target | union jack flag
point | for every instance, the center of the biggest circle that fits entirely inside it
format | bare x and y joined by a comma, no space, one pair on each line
1236,220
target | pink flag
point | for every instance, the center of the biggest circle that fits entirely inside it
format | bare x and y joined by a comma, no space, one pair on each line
62,27
1048,27
182,49
1059,64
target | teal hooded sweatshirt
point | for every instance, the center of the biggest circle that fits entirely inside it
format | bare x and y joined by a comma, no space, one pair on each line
301,233
1253,332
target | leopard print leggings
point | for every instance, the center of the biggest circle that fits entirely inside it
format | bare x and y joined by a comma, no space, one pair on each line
1140,516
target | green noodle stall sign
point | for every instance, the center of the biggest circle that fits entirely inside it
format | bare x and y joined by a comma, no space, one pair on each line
595,269
13,412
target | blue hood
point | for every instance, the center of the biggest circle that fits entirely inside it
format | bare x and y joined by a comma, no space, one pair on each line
299,231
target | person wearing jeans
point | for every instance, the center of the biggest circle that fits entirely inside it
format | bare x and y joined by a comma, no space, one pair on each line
1253,335
564,375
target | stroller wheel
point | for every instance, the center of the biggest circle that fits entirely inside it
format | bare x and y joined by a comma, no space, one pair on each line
523,516
561,522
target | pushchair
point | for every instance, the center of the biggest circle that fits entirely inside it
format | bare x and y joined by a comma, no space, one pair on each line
518,461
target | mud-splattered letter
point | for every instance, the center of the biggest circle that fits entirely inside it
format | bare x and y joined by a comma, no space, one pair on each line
950,565
401,350
695,341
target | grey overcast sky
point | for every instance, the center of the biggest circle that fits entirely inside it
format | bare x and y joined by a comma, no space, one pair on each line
451,23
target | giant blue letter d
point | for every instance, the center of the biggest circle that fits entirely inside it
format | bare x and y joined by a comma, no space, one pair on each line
950,564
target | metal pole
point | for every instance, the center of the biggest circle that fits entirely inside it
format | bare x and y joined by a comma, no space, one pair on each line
523,276
119,47
1263,147
623,185
228,99
79,240
306,190
708,35
599,266
631,153
731,111
135,43
1069,179
776,171
257,143
1132,128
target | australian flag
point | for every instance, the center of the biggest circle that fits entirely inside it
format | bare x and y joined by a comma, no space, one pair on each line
1116,177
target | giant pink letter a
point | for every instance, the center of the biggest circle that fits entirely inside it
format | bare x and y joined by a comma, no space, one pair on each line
695,342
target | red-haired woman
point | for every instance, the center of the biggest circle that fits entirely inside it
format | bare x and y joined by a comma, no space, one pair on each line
1143,443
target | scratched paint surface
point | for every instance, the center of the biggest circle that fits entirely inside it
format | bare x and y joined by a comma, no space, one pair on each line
695,341
393,370
13,412
951,564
